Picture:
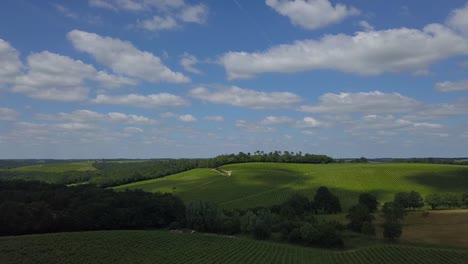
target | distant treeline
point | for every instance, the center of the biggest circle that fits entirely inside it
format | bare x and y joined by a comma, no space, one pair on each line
15,163
110,173
454,161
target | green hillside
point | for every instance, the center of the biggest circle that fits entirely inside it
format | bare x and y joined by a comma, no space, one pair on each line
165,247
265,184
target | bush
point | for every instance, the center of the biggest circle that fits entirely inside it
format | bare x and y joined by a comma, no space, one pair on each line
369,200
310,234
368,228
392,230
261,230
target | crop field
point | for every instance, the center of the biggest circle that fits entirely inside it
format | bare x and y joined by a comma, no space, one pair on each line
441,227
265,184
57,167
183,182
166,247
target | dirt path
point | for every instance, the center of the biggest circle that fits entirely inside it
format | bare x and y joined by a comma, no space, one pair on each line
223,172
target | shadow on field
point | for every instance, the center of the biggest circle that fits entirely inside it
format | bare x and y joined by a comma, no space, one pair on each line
445,181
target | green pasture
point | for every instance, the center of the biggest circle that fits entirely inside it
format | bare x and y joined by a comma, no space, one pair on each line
165,247
265,184
57,167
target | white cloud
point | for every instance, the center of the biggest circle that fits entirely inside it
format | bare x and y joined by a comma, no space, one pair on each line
458,19
169,14
145,101
275,120
246,98
366,26
214,118
124,58
10,64
56,77
365,53
8,114
187,118
133,130
448,86
194,14
137,5
85,116
65,11
362,102
310,122
157,23
188,61
391,124
252,127
312,14
440,111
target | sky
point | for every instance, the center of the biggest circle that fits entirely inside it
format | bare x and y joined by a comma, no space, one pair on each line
193,79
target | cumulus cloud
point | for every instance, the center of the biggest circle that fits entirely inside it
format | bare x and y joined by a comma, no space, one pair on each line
440,111
170,14
10,64
252,127
133,130
386,123
448,86
52,76
145,101
186,118
312,14
194,13
276,120
157,23
84,116
362,102
310,122
246,98
188,61
458,19
214,118
365,53
8,114
137,5
124,58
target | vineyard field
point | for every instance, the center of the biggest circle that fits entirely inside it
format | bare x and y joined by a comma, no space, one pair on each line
266,184
166,247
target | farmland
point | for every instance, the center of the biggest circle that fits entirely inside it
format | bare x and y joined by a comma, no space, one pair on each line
158,247
266,184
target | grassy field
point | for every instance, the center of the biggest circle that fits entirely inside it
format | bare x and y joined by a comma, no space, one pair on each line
264,184
183,182
57,167
444,227
165,247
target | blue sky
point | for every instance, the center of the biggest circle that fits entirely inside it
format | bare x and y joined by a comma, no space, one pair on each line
180,78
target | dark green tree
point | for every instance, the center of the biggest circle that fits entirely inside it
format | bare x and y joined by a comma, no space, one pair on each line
393,212
464,200
326,202
357,216
392,230
434,200
369,200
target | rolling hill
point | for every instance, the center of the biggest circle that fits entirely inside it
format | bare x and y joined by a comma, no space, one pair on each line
265,184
